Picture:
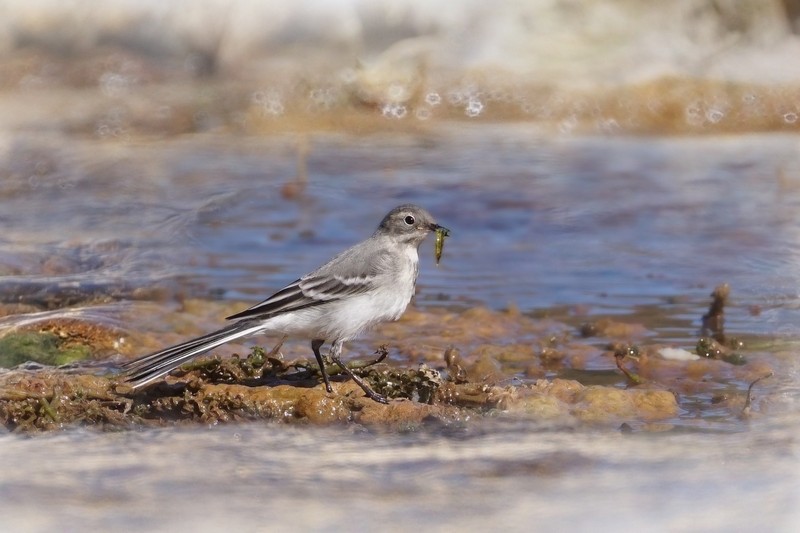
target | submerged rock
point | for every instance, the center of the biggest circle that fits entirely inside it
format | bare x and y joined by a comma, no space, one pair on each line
447,366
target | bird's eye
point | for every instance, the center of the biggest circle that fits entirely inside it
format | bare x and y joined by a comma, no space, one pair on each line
409,220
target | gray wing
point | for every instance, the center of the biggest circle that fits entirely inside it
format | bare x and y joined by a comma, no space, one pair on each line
345,275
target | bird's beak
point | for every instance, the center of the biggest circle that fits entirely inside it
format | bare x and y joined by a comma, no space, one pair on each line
434,227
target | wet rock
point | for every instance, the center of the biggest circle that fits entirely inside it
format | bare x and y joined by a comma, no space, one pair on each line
476,395
508,335
319,407
400,414
419,385
474,355
456,372
94,336
565,390
505,353
564,399
485,370
714,349
613,329
48,401
714,319
58,341
46,348
540,406
604,404
654,404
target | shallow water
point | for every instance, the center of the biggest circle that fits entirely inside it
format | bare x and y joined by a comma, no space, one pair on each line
607,223
490,474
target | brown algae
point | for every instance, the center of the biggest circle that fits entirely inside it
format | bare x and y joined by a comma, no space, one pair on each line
447,364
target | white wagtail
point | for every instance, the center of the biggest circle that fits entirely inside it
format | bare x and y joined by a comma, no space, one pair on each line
369,283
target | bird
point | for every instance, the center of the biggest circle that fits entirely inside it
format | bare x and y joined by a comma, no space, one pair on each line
368,283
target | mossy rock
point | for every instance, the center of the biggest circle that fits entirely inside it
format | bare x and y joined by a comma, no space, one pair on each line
44,348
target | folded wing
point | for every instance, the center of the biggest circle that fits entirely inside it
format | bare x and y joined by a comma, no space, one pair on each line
308,291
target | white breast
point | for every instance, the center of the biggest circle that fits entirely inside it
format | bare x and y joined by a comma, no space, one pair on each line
345,319
352,316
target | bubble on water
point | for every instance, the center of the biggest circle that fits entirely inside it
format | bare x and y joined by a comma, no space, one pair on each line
749,98
65,183
393,110
423,113
397,92
348,75
323,97
115,84
608,125
694,114
274,108
529,108
433,99
790,117
43,167
269,102
653,105
568,124
473,108
714,115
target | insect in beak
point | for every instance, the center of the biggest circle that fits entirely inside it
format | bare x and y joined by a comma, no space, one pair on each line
438,246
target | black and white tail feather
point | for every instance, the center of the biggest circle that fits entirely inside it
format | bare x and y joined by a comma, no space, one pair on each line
151,367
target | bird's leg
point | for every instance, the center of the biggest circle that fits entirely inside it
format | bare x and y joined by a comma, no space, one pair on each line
276,350
316,344
336,350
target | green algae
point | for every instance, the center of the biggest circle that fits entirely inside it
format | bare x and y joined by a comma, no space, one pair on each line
45,348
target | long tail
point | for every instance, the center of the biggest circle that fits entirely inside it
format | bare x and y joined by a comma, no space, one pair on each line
149,368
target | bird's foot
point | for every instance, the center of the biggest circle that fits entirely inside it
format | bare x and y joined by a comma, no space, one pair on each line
371,394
